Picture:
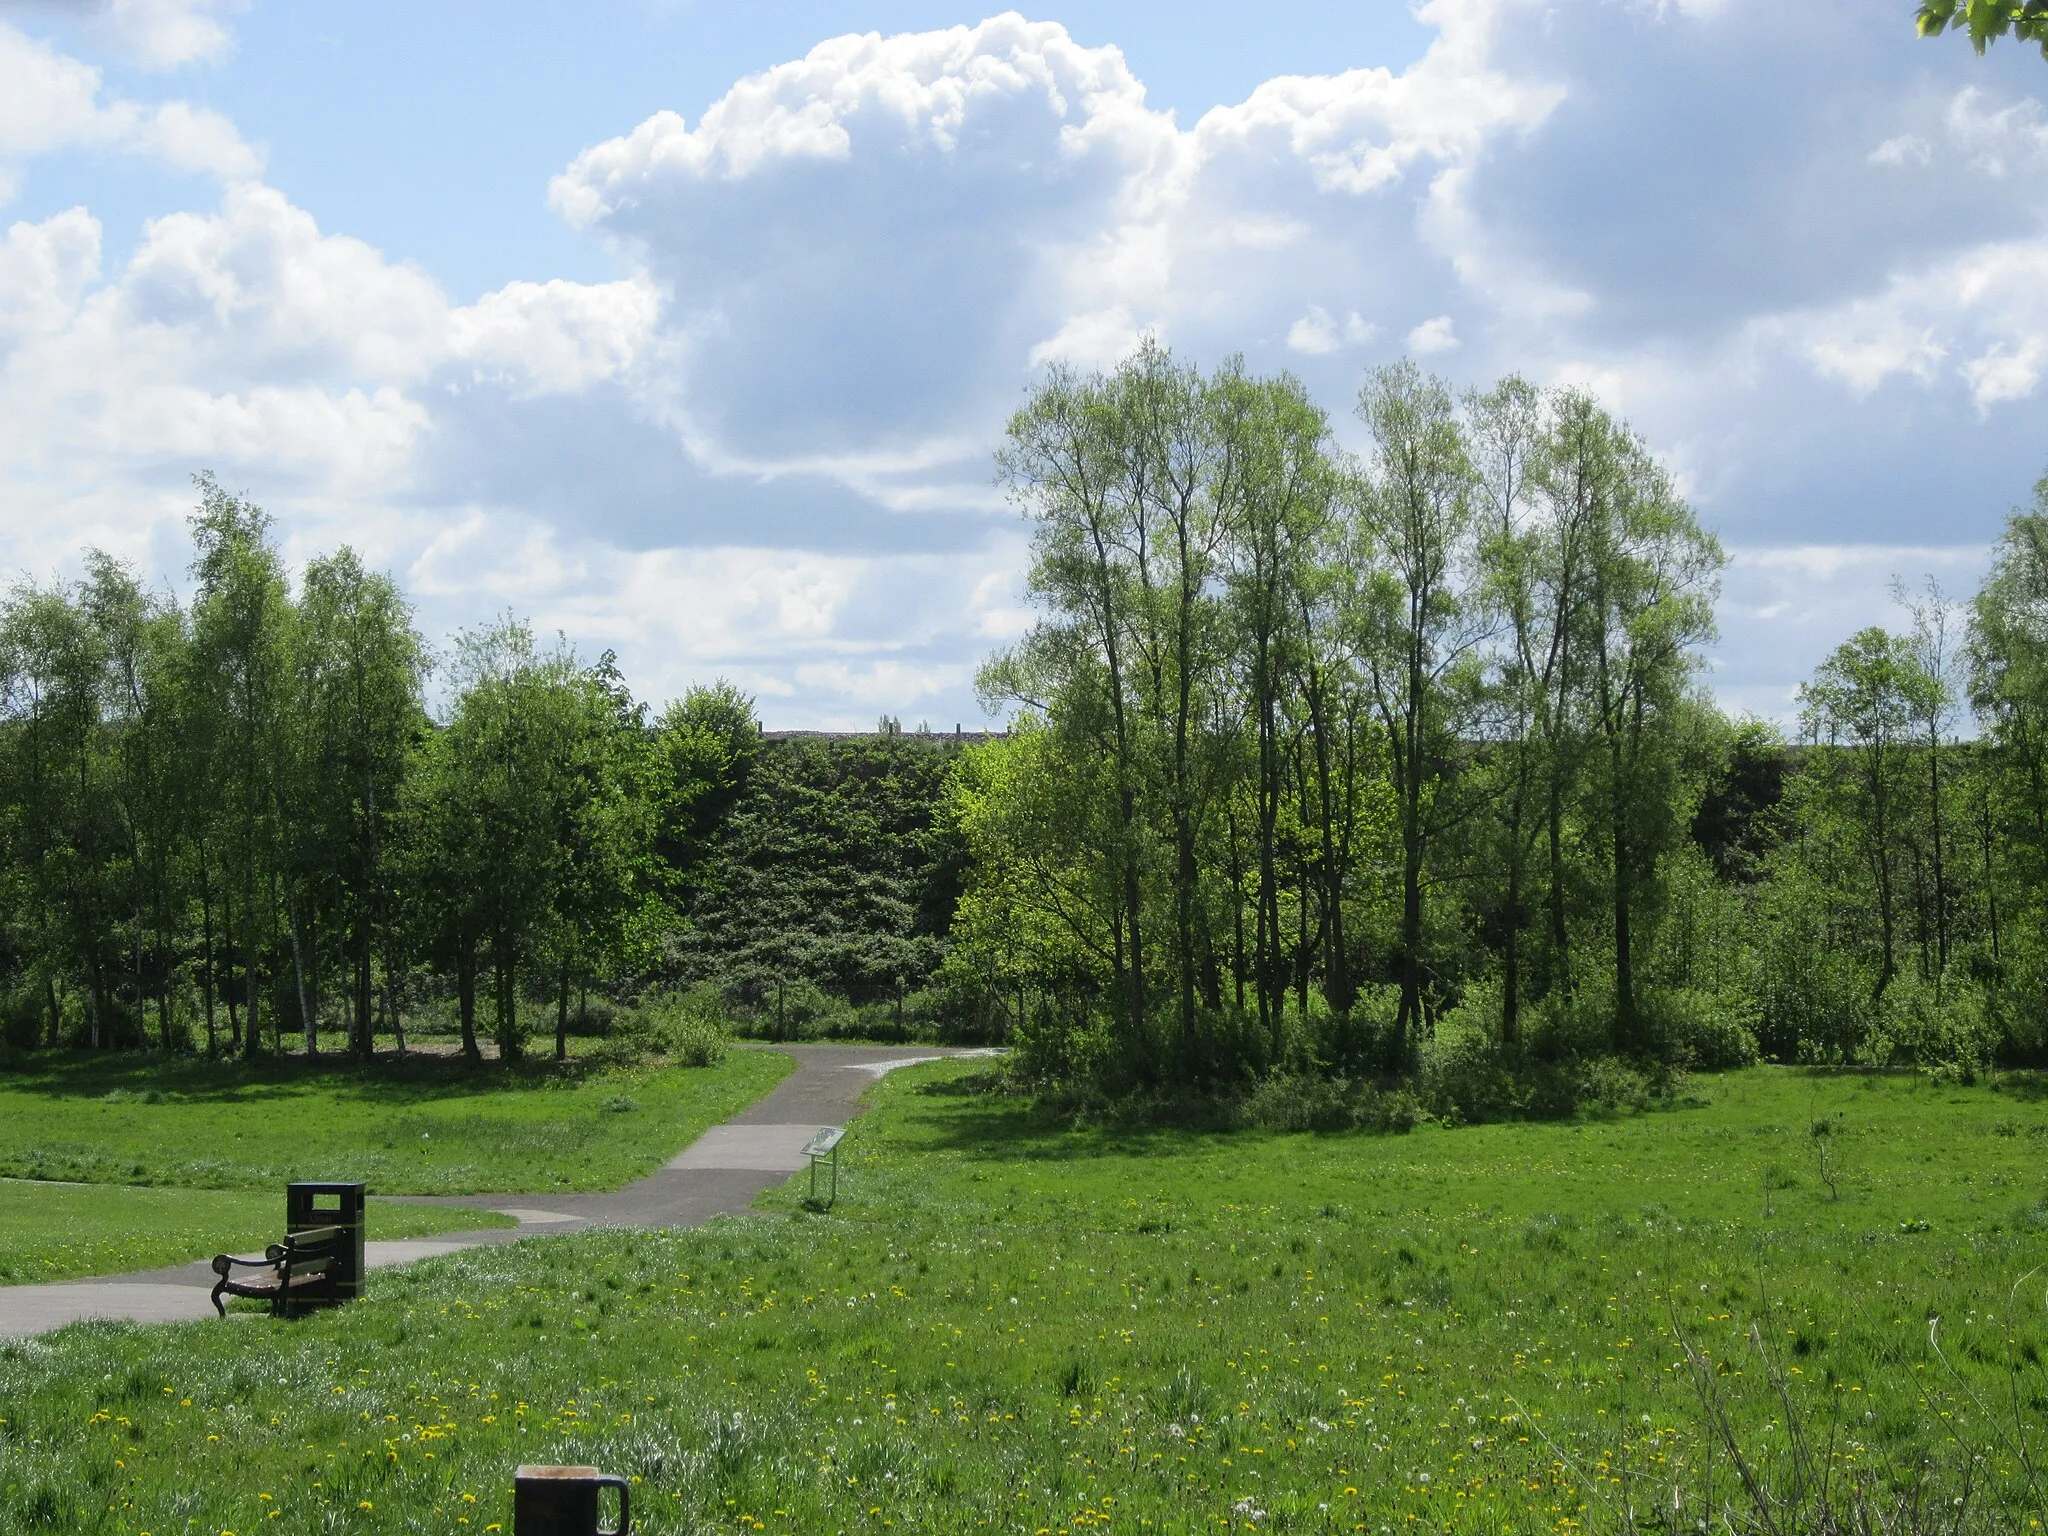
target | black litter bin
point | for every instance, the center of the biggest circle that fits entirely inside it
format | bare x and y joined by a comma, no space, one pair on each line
309,1206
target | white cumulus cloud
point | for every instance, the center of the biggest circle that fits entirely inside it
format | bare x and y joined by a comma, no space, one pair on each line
50,101
1813,275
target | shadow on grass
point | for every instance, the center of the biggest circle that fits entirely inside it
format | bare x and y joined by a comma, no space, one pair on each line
151,1078
2028,1087
971,1113
975,1114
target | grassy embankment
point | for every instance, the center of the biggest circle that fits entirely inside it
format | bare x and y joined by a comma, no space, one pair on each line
1007,1326
227,1138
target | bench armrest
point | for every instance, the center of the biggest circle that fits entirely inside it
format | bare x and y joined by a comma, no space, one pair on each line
224,1264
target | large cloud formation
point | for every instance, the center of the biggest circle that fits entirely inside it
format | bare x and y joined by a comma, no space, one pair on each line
1808,259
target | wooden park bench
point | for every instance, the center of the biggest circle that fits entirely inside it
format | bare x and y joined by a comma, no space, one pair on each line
297,1272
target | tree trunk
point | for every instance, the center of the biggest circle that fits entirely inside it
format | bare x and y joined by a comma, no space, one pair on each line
562,1016
206,985
1624,941
252,1032
1511,955
1236,911
1560,940
230,992
1940,865
465,994
506,966
391,1005
365,1025
1882,868
308,1022
1407,1018
1990,874
252,988
1336,963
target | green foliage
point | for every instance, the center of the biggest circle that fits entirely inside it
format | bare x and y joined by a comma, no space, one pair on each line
829,882
687,1029
1293,729
1710,1031
1921,1024
2025,21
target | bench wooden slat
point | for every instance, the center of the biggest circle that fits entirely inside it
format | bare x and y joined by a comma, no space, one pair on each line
301,1262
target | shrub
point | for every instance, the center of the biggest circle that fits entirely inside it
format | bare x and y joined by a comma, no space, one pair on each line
1811,1004
593,1015
1570,1026
688,1028
1063,1043
1364,1036
1300,1102
21,1020
1707,1030
1465,1072
1918,1024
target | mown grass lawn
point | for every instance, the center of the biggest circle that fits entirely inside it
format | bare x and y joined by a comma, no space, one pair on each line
424,1126
62,1231
1008,1326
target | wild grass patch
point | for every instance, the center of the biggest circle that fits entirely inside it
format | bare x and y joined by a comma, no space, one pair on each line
1007,1326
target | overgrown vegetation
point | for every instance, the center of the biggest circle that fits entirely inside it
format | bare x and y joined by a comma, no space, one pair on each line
1009,1324
824,896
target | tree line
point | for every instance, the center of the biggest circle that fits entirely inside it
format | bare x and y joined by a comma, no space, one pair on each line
226,821
1323,760
1327,764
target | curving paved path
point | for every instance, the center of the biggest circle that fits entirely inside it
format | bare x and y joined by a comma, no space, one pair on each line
721,1171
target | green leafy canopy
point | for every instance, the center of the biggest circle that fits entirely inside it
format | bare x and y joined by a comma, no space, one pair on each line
2024,20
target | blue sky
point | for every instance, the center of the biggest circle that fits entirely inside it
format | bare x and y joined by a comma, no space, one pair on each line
688,329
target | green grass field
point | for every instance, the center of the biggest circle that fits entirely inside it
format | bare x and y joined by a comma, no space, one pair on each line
426,1126
63,1231
1008,1326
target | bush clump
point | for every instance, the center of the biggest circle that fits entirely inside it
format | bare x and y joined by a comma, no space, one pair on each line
687,1029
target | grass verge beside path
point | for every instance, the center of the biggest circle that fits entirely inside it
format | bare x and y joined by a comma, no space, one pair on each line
1010,1327
422,1126
68,1231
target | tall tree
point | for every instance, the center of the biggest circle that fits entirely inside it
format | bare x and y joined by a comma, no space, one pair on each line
1420,629
508,777
1066,463
1508,430
1858,712
144,639
1279,528
240,676
1184,448
607,895
360,668
1653,576
65,834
